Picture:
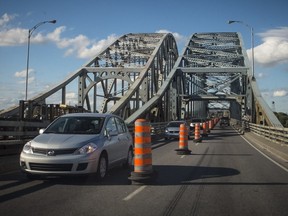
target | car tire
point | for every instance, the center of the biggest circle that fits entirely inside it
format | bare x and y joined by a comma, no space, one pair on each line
102,167
129,161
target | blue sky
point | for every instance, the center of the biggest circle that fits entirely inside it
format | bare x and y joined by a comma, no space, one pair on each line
84,26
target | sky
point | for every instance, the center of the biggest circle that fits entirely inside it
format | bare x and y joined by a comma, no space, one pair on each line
84,27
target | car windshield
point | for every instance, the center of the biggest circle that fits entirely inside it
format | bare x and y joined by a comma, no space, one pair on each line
174,124
76,125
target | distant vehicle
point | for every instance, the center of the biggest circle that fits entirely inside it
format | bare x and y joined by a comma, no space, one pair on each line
78,143
195,121
224,121
172,129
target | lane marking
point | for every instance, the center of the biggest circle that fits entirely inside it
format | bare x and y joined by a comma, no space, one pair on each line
182,156
273,161
134,193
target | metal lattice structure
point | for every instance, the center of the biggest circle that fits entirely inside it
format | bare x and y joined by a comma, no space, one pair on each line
128,74
122,79
142,76
215,74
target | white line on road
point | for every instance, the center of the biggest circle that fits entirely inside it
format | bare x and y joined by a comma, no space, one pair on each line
278,164
182,156
131,195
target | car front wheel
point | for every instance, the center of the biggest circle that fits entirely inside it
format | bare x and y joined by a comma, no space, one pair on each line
102,167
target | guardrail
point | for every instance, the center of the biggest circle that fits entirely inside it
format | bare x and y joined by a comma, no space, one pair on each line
13,129
275,134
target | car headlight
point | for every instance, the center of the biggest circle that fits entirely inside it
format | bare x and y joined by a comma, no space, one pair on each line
87,149
27,148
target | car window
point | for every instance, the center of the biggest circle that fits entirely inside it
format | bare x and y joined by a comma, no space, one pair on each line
57,127
76,125
97,124
111,125
120,125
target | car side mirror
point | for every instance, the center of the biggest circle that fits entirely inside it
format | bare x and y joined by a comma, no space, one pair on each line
41,131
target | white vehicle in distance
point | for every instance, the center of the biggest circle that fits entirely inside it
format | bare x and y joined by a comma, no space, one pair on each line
77,144
194,121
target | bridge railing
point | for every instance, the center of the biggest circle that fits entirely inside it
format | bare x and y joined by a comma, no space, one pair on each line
275,134
14,129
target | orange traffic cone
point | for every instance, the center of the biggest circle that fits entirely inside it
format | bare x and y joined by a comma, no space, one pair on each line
183,141
143,170
197,135
205,131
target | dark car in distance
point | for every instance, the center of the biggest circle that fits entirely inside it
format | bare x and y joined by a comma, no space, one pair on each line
224,121
172,129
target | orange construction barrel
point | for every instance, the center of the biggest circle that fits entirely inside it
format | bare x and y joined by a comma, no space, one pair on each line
143,169
197,136
183,140
205,129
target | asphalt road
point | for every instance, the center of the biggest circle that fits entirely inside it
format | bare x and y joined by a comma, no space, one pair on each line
224,175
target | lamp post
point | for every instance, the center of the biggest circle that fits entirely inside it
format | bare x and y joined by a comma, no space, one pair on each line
252,41
29,36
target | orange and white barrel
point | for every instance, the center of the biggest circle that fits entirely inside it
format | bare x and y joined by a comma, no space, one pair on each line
143,169
197,136
183,140
142,148
205,129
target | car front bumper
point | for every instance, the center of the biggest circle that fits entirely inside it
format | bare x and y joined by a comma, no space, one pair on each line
59,165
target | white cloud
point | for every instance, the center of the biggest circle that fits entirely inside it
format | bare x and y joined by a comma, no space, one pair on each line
80,46
280,93
13,37
21,75
180,39
5,19
96,47
274,49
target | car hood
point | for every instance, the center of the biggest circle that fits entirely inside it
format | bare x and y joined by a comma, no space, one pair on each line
63,140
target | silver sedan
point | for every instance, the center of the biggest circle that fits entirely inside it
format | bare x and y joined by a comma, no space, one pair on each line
79,143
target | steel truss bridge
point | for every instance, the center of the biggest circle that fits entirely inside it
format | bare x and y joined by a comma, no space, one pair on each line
144,76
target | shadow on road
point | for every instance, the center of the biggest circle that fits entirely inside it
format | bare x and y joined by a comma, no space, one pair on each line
166,175
177,175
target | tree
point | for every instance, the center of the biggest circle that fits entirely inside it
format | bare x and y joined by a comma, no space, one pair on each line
283,118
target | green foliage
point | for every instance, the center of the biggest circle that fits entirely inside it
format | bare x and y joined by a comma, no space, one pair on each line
283,118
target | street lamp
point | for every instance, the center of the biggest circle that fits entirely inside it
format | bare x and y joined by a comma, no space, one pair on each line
29,36
252,41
